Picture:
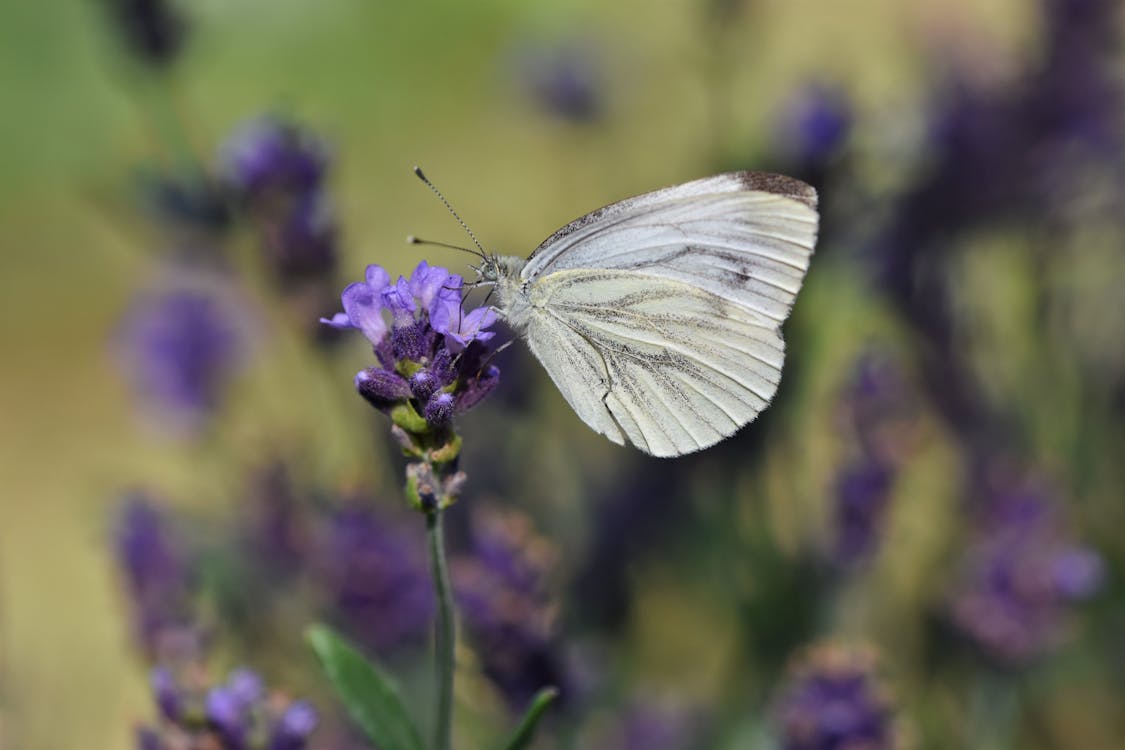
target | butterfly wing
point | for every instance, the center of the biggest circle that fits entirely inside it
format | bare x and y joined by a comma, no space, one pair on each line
657,317
746,237
669,366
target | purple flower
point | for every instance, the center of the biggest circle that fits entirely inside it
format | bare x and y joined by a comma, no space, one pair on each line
879,422
815,124
507,607
154,30
461,332
833,700
1019,577
432,356
563,79
278,171
270,154
167,693
159,579
373,568
301,244
292,729
235,715
862,497
227,716
179,343
879,408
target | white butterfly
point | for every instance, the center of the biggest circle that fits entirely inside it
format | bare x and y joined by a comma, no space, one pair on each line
659,317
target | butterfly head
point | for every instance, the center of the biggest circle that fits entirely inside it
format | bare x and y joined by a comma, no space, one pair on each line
498,269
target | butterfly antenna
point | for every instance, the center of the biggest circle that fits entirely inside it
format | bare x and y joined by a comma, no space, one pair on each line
419,241
430,185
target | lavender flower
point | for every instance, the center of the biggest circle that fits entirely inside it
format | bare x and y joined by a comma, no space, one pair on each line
814,126
862,497
279,170
153,30
564,80
235,715
159,579
432,356
179,343
879,407
1026,155
834,701
1020,577
879,421
269,155
374,570
507,607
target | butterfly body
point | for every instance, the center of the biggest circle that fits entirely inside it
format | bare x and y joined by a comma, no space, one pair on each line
659,317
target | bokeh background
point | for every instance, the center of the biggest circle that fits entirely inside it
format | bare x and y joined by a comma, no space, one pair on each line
933,505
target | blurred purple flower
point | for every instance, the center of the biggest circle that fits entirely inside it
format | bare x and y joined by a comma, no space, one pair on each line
178,344
159,578
508,611
879,407
153,30
301,244
1028,154
271,155
563,80
862,497
814,125
879,420
1019,578
236,715
278,170
833,700
373,568
434,356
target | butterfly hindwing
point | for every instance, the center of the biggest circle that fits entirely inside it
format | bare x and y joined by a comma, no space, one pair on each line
671,366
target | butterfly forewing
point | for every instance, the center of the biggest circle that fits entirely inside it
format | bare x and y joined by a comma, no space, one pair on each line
720,233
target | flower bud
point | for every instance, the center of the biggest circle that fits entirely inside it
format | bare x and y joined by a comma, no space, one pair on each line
439,409
423,385
381,388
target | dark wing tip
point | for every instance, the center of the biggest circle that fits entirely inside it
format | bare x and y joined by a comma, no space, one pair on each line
779,184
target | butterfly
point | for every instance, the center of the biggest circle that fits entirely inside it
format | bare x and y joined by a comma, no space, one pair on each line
659,317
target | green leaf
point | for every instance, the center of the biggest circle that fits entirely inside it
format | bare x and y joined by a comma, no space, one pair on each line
370,695
525,732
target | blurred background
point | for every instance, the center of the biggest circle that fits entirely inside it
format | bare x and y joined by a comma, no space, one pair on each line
918,544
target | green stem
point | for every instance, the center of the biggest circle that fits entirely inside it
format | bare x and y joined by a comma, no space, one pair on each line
446,633
995,711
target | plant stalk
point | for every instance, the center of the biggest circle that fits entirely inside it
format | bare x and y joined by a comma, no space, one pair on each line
445,634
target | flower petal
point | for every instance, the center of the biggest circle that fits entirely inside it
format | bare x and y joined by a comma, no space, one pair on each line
339,320
365,310
426,283
377,278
